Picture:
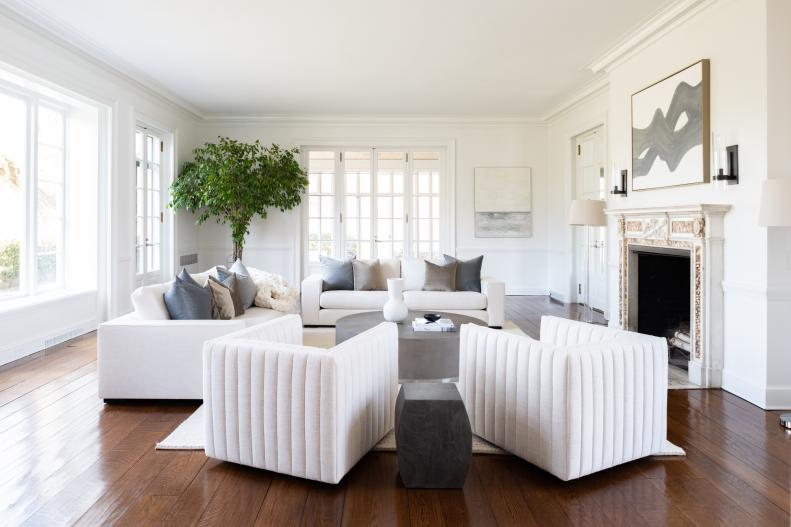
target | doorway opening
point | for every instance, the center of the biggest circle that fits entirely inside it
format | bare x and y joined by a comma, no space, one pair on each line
589,182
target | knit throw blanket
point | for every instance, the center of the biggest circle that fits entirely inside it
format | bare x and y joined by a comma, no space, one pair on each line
274,292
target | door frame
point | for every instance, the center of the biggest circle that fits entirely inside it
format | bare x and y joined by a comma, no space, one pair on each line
573,138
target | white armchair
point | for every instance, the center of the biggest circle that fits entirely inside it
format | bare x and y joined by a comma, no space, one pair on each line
272,403
582,399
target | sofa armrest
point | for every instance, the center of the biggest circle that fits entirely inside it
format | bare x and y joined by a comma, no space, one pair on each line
367,387
311,294
494,290
154,359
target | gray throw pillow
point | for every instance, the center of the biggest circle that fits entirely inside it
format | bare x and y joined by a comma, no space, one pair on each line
440,277
230,281
366,275
337,274
244,280
468,273
187,300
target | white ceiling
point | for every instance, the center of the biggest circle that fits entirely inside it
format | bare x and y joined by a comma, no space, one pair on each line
438,57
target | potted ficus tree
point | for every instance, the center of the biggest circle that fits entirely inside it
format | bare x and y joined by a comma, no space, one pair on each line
233,181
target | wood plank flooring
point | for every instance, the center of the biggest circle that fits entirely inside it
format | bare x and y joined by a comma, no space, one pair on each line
67,458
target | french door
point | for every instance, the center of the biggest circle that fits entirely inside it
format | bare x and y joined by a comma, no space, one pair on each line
373,203
150,216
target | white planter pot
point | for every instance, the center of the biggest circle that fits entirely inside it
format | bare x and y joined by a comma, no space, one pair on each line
395,309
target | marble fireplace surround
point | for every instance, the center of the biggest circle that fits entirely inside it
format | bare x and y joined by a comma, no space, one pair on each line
696,230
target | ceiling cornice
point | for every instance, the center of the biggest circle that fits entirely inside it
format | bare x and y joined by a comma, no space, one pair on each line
386,119
662,22
63,35
580,96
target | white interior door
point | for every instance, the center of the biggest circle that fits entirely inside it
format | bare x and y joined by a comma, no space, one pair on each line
590,183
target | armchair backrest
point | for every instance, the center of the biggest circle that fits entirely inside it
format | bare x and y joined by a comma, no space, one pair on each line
565,332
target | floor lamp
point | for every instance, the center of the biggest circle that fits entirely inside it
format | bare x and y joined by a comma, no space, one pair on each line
775,212
588,213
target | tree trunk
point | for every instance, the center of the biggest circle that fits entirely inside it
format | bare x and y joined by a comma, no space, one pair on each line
237,252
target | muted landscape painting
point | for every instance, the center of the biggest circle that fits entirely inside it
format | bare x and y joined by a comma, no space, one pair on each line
670,130
503,203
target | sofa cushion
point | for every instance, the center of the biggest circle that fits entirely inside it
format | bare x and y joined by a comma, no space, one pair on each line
186,300
336,274
439,300
468,273
149,302
353,299
256,315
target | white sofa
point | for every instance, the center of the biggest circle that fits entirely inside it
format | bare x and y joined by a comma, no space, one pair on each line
582,399
145,355
324,308
271,403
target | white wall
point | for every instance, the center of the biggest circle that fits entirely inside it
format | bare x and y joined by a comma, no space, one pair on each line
778,363
561,131
521,262
29,49
739,116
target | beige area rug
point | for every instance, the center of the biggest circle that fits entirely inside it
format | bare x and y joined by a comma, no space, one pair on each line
189,436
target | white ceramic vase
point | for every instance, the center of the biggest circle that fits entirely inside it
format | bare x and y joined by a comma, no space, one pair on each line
395,309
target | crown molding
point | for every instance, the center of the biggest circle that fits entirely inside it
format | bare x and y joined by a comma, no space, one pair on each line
659,24
580,96
63,35
382,119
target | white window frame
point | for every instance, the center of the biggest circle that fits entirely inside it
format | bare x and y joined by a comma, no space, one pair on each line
447,151
28,273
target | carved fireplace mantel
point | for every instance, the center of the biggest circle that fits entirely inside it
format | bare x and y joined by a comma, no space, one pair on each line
699,230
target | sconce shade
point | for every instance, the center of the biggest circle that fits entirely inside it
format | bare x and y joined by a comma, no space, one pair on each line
775,203
588,212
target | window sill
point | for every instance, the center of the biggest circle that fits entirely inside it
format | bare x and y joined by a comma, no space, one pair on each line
21,303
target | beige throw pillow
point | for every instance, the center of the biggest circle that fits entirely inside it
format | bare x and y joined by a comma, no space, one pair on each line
440,277
221,300
366,275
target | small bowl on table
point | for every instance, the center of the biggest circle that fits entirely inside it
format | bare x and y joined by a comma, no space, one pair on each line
432,317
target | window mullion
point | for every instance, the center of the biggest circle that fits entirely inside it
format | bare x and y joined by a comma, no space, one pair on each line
340,176
32,219
409,217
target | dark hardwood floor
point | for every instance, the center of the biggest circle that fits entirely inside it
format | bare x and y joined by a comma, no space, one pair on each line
68,458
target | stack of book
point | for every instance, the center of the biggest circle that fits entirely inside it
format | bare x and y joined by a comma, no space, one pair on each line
443,324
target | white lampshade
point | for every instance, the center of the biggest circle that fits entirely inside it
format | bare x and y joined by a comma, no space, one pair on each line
588,212
775,203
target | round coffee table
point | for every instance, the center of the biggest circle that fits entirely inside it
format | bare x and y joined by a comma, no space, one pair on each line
422,355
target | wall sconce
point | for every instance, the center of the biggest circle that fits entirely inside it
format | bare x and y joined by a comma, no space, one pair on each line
732,162
620,191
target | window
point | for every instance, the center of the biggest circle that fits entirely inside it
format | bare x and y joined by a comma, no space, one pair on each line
150,217
37,151
361,202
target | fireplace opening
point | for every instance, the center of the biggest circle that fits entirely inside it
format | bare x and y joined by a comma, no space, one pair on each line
663,300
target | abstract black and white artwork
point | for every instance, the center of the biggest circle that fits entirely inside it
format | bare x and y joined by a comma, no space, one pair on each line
670,130
503,203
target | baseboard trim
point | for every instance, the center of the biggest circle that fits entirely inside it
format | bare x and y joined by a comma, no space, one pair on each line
526,291
778,397
560,297
22,349
741,387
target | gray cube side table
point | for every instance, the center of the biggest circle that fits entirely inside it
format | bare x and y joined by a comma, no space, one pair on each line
433,436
